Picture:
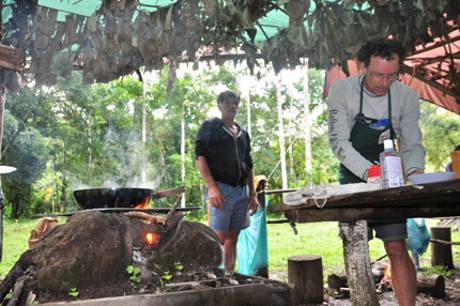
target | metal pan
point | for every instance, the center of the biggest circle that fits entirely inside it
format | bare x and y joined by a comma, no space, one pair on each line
112,197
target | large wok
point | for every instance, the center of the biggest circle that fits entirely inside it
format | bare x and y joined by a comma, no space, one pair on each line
120,197
113,197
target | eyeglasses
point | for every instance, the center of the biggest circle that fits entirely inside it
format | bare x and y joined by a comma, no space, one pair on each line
380,76
232,102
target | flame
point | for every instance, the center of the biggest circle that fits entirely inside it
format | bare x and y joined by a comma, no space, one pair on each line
152,238
387,271
144,203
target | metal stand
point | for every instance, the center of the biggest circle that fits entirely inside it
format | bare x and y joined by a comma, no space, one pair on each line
3,170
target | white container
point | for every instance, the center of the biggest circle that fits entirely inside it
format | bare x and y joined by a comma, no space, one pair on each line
392,173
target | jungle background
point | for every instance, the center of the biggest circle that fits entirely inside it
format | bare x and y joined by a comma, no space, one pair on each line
141,134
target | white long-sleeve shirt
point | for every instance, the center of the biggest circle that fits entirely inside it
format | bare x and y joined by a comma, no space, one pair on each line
343,105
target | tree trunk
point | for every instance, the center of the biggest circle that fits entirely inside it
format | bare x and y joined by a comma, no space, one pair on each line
145,93
357,263
248,110
308,123
3,92
441,254
279,104
305,275
182,150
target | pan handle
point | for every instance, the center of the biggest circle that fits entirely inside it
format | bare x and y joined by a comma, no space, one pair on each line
168,192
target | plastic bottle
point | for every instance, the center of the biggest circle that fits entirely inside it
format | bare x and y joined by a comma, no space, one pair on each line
391,167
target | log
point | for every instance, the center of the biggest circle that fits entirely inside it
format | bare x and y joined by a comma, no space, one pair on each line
434,285
441,254
17,291
8,282
431,285
357,263
336,282
305,275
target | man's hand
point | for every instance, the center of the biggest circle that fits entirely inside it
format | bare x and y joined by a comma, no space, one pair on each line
253,203
215,197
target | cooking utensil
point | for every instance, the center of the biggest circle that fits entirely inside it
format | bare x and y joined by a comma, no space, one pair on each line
158,210
112,197
120,197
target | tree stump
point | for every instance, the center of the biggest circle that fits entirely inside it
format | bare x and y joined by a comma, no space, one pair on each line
305,275
441,254
357,263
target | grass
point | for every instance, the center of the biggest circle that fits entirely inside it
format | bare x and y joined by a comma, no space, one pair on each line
313,238
15,241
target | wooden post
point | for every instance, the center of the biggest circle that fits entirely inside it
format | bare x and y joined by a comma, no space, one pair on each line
441,254
357,263
305,275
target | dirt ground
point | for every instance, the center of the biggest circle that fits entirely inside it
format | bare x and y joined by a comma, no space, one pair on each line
388,298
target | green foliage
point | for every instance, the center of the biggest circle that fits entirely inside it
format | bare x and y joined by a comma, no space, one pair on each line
439,270
74,135
73,292
167,276
441,132
179,266
134,274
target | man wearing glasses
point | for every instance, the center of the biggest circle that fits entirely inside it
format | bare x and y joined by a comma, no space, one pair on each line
364,111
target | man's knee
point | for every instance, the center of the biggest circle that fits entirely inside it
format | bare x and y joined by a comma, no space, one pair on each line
396,249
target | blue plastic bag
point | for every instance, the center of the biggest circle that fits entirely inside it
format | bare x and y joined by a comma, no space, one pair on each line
418,236
252,246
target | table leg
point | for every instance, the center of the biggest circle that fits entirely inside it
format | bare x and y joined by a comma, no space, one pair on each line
357,263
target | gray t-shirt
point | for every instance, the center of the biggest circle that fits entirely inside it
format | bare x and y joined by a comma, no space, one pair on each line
343,105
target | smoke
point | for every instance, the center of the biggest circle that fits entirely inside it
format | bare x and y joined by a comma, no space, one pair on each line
123,162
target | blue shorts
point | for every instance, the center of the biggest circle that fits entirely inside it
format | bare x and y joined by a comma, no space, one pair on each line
235,215
388,231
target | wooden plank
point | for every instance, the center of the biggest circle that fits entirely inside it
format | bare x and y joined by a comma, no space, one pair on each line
382,213
10,57
406,195
251,295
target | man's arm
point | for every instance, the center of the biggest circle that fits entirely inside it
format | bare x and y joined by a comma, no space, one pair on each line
412,151
215,197
253,201
339,133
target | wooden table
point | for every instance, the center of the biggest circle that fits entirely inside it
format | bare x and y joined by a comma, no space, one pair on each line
428,200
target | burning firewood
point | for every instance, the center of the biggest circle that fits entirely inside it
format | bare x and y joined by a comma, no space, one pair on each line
146,217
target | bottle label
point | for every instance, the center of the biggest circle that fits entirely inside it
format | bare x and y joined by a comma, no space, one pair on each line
394,171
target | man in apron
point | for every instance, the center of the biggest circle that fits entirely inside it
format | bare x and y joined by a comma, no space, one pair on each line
364,111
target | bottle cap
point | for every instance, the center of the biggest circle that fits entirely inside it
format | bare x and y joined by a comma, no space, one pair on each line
373,171
388,144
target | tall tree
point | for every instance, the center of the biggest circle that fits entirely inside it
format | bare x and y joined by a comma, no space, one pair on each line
282,146
307,121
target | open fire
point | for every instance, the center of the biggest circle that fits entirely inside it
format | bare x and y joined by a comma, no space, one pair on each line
152,239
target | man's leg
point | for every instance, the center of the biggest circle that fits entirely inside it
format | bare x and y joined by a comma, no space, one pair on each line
229,240
402,272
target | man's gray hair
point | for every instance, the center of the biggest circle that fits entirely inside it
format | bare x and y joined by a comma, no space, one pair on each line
227,95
